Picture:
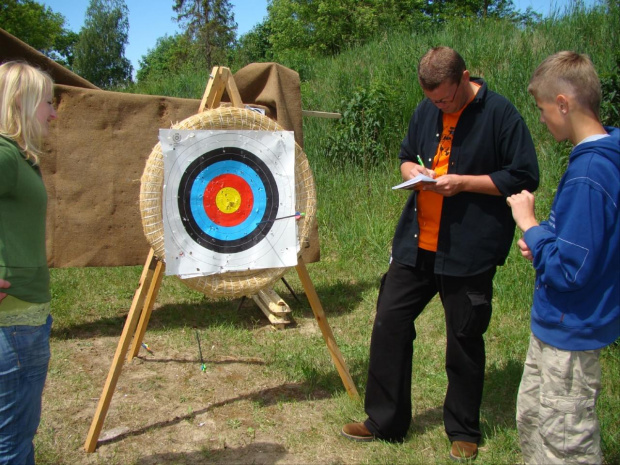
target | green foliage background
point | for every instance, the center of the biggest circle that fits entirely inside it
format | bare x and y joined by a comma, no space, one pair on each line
39,27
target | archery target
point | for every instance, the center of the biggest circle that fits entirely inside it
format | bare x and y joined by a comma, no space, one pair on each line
228,201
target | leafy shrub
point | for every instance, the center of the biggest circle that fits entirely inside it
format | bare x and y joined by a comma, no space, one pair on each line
363,133
610,105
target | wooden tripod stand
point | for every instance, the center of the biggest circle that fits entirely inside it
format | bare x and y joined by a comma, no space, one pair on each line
139,314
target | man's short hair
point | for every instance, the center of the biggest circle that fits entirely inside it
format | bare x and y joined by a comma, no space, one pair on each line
567,73
439,65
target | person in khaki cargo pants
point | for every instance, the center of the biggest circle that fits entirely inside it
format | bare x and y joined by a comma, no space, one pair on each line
576,255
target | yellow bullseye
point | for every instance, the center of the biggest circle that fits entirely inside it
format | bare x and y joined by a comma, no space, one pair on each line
228,200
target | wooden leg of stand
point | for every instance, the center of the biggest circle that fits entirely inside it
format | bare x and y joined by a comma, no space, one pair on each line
321,319
119,357
146,312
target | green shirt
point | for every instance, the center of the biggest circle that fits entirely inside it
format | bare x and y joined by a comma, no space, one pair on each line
23,206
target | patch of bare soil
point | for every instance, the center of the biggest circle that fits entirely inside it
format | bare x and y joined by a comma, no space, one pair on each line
167,410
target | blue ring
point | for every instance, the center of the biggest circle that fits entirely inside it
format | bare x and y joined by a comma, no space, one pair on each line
227,233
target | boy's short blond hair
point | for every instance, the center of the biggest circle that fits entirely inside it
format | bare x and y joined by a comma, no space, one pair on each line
568,73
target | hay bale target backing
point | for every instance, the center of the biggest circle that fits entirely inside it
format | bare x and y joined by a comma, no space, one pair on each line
237,283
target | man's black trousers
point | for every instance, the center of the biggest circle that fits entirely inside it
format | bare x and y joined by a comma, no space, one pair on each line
404,293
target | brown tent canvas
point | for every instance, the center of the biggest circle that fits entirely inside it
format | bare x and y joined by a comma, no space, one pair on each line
99,146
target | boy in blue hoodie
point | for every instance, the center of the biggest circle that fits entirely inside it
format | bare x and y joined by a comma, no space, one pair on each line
576,254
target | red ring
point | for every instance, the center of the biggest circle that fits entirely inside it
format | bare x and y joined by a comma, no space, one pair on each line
220,217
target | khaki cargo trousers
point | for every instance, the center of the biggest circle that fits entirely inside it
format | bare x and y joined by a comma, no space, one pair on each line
556,414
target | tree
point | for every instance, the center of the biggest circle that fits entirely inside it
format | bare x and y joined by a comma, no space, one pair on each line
39,27
100,49
443,10
210,24
170,55
327,27
254,46
62,52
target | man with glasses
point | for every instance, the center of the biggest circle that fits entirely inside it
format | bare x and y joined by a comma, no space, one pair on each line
450,239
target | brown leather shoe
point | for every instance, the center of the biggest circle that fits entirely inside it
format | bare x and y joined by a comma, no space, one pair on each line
357,432
463,451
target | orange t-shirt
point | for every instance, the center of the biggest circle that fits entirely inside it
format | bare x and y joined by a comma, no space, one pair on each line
430,203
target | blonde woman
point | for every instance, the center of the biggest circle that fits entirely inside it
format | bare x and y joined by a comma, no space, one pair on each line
26,110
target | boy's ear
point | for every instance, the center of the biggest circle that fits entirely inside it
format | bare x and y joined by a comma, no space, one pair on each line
562,102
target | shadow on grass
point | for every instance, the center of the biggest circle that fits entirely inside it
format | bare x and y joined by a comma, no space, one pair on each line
289,392
340,297
207,361
500,398
427,420
498,402
336,299
500,395
199,315
257,452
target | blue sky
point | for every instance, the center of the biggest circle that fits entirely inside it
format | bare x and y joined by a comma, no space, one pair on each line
151,19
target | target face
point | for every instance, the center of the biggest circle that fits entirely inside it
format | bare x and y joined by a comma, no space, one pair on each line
228,200
225,196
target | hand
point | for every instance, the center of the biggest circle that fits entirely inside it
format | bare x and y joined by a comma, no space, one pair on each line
446,185
522,206
525,250
419,169
410,170
4,285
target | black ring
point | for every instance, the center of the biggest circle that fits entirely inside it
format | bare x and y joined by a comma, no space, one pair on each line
205,160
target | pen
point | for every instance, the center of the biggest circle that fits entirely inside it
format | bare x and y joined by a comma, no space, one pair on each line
420,160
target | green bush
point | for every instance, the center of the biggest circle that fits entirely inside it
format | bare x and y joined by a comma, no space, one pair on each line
363,133
610,105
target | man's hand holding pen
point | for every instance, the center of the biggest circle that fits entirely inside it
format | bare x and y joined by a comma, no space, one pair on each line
423,169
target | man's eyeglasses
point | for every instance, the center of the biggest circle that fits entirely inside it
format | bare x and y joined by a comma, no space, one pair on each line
444,101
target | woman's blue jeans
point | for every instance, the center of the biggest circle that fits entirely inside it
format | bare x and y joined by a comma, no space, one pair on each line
24,359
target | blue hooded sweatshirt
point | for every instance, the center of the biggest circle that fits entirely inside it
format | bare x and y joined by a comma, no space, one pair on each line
576,252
